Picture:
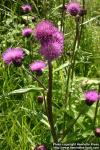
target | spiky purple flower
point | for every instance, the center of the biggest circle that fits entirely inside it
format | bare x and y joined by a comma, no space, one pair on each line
73,8
51,39
27,32
40,147
26,8
51,50
44,31
97,132
91,97
37,67
13,55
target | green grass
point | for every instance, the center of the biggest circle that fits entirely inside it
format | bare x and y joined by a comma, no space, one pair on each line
23,122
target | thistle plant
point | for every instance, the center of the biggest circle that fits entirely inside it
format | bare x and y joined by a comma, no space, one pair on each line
51,40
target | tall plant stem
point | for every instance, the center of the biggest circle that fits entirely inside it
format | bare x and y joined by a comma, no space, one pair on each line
49,103
95,115
96,110
75,47
83,3
63,30
82,20
71,67
72,61
78,38
45,8
62,16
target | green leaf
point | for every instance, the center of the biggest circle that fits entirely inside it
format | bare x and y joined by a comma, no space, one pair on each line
45,122
62,67
27,51
85,80
25,90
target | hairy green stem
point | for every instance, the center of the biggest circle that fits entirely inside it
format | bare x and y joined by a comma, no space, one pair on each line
72,61
83,3
45,8
95,114
49,103
62,16
75,46
63,30
82,25
77,39
71,68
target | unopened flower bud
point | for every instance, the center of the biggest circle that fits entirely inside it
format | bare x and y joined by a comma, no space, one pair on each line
26,8
82,12
97,132
33,19
27,32
40,147
40,99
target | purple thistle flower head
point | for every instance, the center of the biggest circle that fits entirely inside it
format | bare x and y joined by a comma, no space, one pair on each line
91,97
13,55
37,67
97,132
27,32
51,50
40,147
58,37
73,8
51,39
44,31
26,8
